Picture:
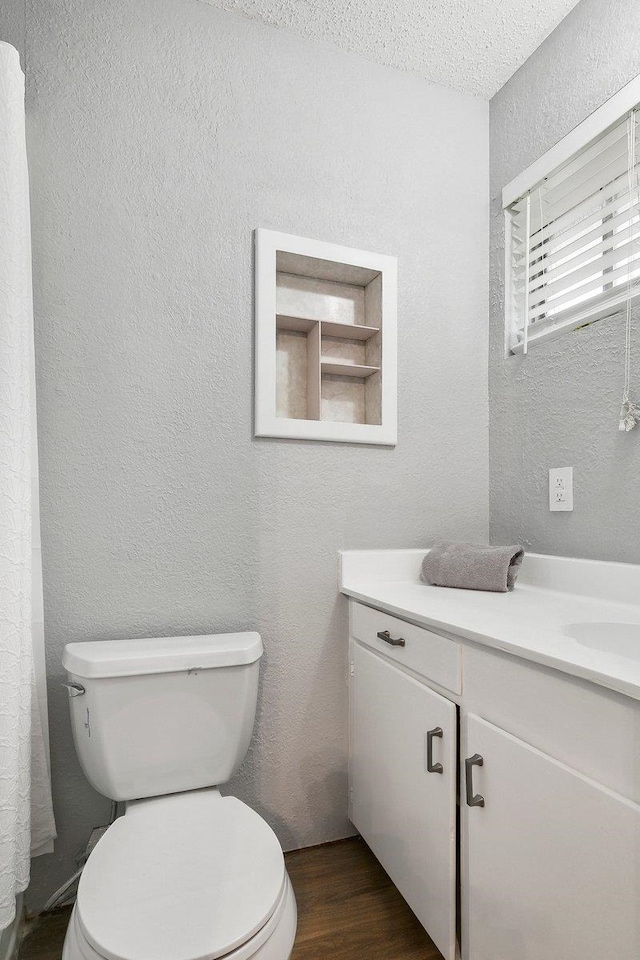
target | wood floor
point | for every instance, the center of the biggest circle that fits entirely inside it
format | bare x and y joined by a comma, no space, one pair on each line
348,909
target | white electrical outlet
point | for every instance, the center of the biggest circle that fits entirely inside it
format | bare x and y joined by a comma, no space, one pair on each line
561,488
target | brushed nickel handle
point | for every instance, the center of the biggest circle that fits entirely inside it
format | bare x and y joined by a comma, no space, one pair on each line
431,766
75,689
473,800
386,636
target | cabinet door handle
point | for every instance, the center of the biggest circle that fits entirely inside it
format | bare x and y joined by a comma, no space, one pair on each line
386,636
473,800
431,766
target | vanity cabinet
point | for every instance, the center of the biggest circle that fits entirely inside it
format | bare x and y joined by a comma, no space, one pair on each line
549,846
403,787
551,859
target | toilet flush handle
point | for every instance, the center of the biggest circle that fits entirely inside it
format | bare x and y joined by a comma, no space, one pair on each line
75,689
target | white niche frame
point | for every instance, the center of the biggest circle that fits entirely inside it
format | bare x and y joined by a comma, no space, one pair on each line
329,263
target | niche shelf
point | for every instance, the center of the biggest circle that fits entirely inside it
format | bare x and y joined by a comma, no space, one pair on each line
341,368
325,341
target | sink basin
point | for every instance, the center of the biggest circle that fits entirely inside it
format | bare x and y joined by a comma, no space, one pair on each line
622,639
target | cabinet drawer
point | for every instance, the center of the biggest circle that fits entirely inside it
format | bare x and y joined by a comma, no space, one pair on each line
432,656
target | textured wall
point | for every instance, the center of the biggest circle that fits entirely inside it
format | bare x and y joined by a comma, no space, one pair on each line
559,406
161,132
12,25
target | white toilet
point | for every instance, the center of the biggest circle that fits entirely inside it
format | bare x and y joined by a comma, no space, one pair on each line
185,874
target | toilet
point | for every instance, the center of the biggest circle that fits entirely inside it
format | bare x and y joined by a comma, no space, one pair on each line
185,874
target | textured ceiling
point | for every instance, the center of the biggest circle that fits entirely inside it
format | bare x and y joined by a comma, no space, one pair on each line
471,45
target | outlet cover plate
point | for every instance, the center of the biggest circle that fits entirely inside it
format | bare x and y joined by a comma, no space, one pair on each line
561,488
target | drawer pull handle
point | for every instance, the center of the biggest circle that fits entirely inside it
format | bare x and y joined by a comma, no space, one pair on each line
431,766
473,800
386,636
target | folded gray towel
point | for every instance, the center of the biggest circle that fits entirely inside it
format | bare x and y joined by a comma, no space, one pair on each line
472,566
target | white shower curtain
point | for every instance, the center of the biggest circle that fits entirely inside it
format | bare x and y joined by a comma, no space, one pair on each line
25,791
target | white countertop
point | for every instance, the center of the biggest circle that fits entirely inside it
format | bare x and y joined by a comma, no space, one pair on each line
551,594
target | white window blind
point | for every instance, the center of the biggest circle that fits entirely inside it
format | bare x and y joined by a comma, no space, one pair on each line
573,240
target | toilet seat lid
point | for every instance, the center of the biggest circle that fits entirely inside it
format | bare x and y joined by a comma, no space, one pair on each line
186,877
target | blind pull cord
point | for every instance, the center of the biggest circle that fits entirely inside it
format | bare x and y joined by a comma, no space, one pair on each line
629,411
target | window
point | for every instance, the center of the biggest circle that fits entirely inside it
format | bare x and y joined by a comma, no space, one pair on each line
573,232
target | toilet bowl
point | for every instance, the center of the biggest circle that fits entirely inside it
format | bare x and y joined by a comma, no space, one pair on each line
187,874
273,942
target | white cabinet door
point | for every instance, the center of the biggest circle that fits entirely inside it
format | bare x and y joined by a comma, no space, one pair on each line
405,813
551,862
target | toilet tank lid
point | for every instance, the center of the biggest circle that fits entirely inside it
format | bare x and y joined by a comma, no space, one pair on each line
93,659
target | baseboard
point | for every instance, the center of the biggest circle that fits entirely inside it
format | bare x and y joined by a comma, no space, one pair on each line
10,937
325,843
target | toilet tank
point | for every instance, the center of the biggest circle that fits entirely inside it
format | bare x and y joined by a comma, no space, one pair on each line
162,715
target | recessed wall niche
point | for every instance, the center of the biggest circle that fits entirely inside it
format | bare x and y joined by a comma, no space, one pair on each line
325,341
